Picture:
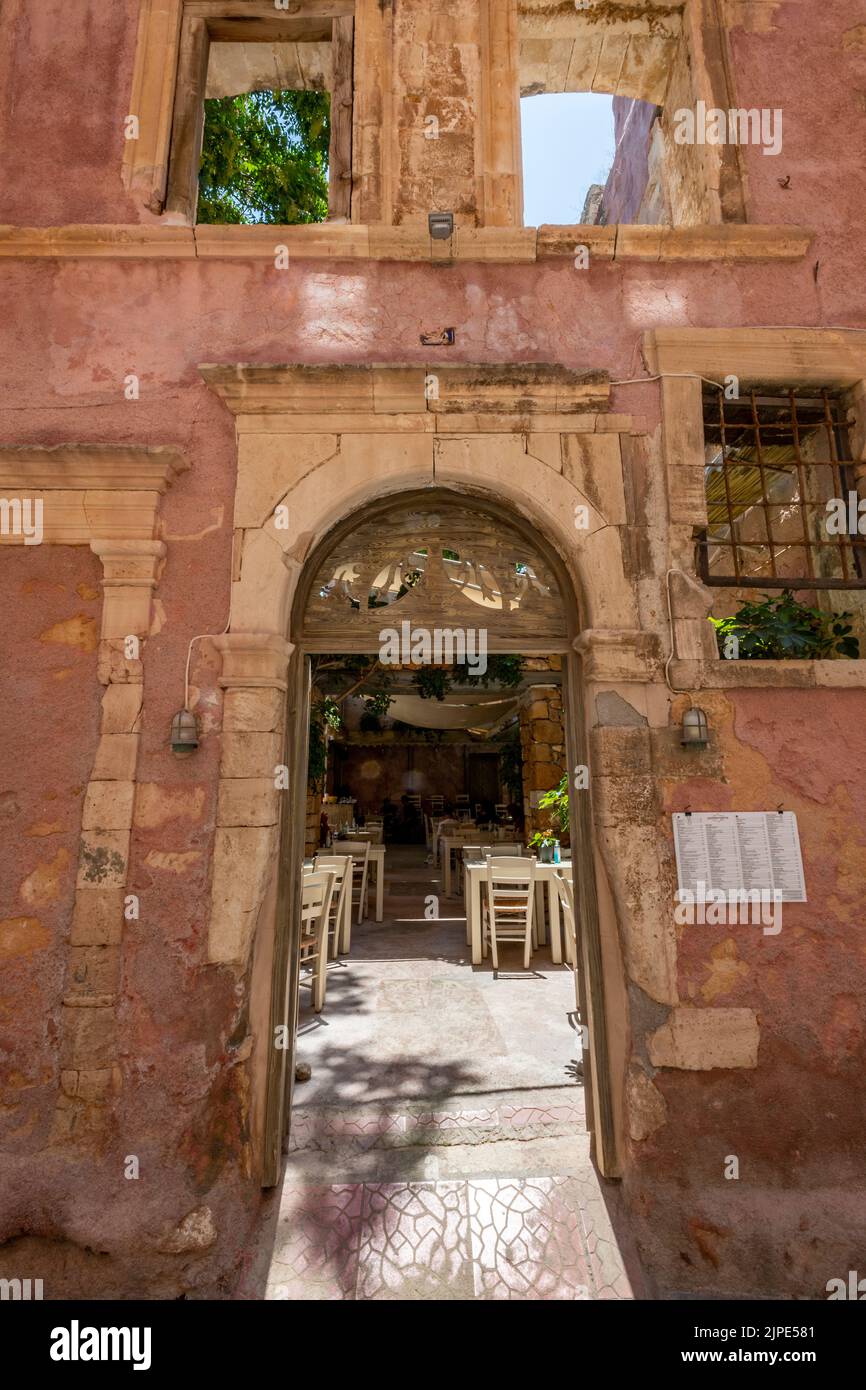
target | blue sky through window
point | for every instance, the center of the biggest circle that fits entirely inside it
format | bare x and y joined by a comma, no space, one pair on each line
568,144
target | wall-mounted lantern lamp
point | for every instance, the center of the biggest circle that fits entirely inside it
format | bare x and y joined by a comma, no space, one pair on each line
184,732
441,225
696,729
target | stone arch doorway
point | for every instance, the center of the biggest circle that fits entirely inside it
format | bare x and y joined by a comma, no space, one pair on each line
435,558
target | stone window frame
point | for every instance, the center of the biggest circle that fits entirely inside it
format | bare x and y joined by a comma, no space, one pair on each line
683,358
174,36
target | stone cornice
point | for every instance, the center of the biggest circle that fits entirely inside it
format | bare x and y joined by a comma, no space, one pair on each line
617,656
253,660
727,242
392,390
103,467
90,492
803,356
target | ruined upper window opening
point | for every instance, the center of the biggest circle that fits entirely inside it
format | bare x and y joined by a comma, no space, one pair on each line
568,149
265,83
640,55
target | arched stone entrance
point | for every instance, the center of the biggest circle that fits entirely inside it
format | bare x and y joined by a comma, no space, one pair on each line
319,450
435,560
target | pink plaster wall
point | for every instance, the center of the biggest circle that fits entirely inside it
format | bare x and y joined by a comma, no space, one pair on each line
797,1121
49,726
69,334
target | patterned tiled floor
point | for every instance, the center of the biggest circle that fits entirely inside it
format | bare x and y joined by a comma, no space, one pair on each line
440,1149
495,1238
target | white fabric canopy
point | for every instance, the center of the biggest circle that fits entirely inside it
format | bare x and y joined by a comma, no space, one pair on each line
472,712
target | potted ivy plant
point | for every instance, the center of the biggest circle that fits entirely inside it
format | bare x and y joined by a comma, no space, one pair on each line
555,801
782,628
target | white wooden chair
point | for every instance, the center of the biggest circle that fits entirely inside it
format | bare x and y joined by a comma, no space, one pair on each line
340,865
472,854
508,908
565,891
360,852
316,892
437,805
377,831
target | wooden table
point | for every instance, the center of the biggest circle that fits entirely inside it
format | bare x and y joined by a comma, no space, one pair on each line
545,879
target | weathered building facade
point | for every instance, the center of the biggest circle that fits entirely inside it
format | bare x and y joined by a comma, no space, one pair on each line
168,387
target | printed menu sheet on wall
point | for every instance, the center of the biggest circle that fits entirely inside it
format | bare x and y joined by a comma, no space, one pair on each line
740,851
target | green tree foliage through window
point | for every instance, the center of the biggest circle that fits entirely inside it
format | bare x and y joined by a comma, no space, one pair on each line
265,158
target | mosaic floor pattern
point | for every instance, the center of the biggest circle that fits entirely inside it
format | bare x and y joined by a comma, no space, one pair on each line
495,1238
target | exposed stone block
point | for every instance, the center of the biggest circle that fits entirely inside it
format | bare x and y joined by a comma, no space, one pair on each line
621,752
89,1037
247,754
255,710
647,1107
593,464
116,758
197,1231
103,858
96,1085
706,1039
93,970
97,918
269,466
617,712
631,800
248,801
156,805
242,859
545,731
108,806
121,708
113,667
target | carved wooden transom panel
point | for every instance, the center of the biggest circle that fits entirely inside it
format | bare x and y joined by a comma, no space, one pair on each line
442,564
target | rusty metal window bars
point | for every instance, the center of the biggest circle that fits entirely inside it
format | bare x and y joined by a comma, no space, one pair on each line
773,463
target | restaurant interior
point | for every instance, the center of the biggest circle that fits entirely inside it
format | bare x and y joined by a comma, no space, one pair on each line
438,942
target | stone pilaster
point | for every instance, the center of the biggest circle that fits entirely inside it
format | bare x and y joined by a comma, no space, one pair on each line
254,677
90,1073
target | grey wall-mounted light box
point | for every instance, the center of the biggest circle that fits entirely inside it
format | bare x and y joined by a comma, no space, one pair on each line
441,225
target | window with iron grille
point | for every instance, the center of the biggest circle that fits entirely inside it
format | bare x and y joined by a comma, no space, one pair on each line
774,461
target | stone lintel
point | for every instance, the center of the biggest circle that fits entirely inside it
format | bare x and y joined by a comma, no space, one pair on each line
524,390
